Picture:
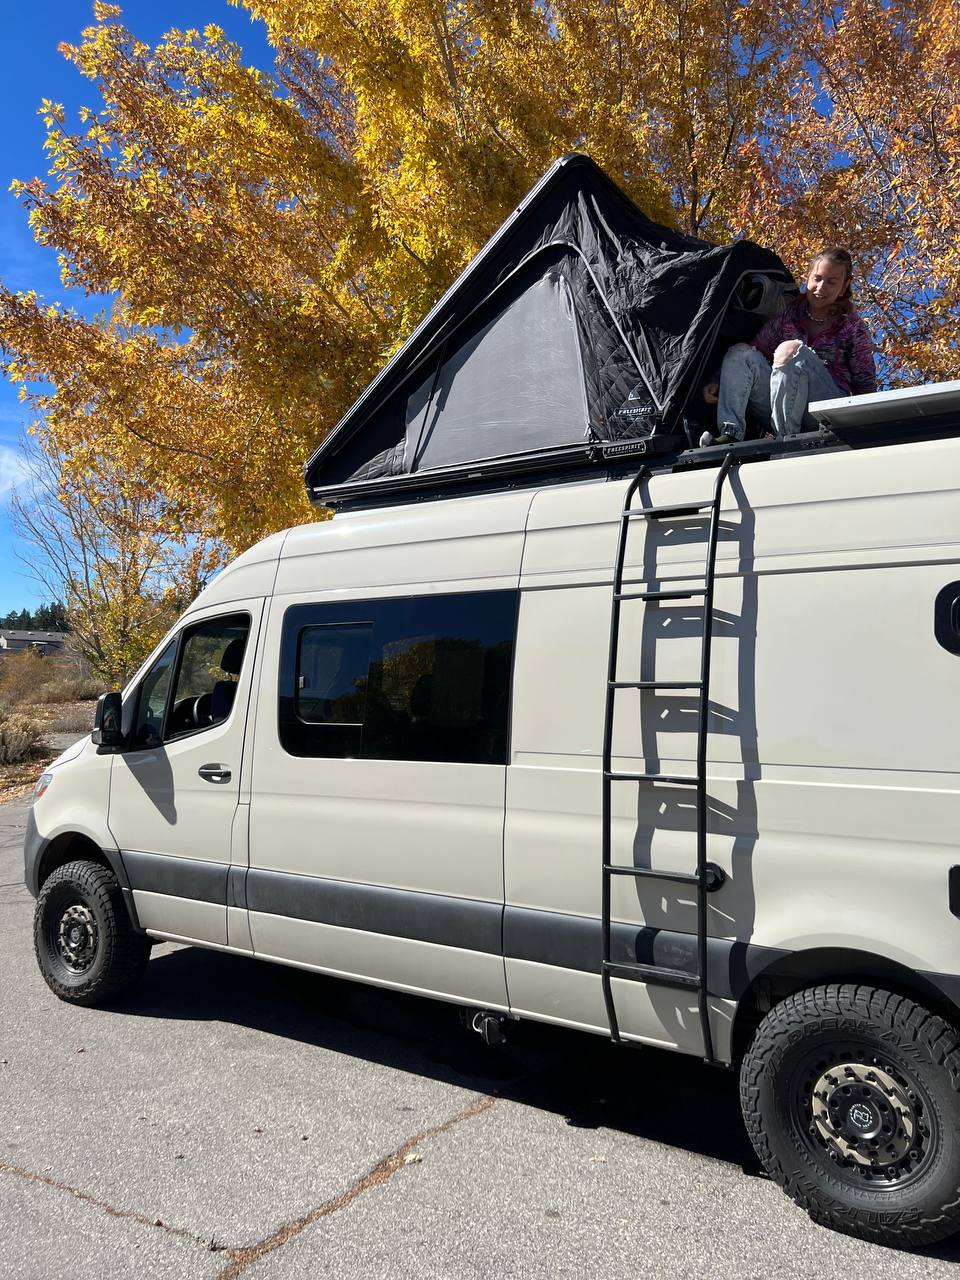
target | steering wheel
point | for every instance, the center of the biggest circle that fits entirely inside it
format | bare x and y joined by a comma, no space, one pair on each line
202,711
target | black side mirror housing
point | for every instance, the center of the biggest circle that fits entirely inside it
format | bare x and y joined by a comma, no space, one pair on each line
107,726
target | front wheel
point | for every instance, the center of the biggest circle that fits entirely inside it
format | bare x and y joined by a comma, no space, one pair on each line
88,951
851,1098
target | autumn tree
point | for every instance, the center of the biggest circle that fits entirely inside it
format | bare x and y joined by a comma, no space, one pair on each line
452,110
107,546
263,242
868,155
266,242
233,314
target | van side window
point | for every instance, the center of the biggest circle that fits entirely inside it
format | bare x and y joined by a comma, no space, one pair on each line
331,683
416,678
152,699
211,655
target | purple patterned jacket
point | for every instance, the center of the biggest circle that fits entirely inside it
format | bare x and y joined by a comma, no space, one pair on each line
845,346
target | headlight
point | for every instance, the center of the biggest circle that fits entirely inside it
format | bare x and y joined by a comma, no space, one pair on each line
42,783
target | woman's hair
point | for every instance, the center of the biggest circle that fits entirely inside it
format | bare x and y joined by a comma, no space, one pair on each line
841,258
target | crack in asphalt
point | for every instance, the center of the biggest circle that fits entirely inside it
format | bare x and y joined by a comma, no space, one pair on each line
245,1256
130,1214
378,1175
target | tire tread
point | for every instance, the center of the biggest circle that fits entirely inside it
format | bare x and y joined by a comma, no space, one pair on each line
127,951
902,1229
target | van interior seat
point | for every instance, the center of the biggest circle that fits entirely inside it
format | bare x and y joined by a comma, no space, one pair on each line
222,694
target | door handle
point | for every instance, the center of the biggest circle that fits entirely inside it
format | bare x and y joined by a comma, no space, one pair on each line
214,772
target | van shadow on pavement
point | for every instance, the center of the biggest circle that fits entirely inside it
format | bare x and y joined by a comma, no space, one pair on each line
646,1093
664,1097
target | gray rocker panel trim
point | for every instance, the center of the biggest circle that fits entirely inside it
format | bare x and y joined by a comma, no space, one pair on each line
176,877
400,913
573,942
237,887
518,933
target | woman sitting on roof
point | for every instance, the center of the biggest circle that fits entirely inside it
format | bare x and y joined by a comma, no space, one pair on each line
819,349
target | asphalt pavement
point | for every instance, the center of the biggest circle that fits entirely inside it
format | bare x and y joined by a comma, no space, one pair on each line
236,1118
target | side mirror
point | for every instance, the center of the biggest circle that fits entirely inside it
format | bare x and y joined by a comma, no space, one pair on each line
107,730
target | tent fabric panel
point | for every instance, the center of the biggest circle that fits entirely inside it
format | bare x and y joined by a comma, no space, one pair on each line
398,421
388,462
376,451
514,385
611,370
576,205
420,404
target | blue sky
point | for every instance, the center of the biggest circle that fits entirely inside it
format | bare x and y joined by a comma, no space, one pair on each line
31,68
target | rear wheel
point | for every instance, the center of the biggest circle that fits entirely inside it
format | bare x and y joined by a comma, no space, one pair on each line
851,1097
87,949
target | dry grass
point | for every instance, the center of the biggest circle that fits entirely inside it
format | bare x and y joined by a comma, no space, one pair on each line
71,717
66,717
28,678
68,689
54,694
19,737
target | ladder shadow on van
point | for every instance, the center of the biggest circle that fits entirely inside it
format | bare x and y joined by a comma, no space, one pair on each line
650,1094
662,739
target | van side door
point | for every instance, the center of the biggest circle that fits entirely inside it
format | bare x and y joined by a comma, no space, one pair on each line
376,828
175,788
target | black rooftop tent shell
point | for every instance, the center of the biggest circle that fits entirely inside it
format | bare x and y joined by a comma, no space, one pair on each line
574,336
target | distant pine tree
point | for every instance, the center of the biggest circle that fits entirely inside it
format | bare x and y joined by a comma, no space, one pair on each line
46,617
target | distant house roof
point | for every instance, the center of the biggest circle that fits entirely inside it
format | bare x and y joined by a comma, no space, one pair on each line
20,639
34,635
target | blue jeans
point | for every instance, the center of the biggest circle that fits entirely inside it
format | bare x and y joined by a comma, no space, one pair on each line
777,396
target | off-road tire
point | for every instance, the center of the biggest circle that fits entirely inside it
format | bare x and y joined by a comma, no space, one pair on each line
916,1051
106,960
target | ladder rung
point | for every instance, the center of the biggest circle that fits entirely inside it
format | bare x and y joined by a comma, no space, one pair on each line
657,595
661,513
685,780
679,877
655,684
653,973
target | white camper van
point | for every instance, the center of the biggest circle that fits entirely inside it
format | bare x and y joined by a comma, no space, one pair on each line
667,755
396,747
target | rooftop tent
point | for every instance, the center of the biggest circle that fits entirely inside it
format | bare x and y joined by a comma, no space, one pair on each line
576,334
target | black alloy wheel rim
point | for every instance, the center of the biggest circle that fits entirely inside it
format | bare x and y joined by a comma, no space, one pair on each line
865,1118
77,937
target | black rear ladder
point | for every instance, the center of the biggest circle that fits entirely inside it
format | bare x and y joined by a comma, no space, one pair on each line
703,878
